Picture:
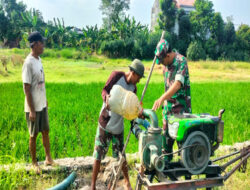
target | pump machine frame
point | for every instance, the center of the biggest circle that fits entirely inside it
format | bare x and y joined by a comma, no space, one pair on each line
197,136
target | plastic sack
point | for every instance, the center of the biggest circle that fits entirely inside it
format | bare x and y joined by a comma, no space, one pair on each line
124,102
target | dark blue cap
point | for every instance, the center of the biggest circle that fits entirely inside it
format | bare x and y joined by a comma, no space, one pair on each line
35,37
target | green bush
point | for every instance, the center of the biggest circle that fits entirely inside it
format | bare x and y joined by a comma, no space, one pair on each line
152,42
50,53
77,55
140,45
232,53
137,51
67,53
196,52
24,43
17,51
241,55
113,48
129,47
212,49
181,46
149,48
153,39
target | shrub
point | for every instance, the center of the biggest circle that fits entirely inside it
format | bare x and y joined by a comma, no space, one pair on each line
4,61
212,49
77,55
67,53
137,51
24,43
181,46
17,59
195,51
152,42
113,48
232,53
129,46
50,53
241,55
140,45
17,51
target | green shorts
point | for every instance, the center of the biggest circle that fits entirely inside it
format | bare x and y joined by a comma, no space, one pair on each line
40,124
102,142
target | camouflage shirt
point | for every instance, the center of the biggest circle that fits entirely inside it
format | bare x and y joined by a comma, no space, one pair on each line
180,102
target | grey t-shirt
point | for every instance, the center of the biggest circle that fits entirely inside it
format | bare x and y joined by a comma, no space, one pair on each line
110,121
33,74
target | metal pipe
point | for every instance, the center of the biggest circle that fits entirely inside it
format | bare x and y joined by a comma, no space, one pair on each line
65,183
136,129
236,167
220,113
223,167
223,157
151,115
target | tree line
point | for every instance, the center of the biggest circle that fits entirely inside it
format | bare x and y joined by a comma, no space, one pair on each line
203,34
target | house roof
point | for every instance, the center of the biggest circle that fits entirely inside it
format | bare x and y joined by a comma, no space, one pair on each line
189,3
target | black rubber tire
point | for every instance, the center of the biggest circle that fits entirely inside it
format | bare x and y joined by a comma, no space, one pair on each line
195,159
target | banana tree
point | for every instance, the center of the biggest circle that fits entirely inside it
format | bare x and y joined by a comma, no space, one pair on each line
93,37
48,34
60,31
126,27
30,20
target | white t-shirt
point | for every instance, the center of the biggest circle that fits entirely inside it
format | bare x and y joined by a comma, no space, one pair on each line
33,74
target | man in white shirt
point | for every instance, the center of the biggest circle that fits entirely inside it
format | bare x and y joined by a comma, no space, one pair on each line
35,98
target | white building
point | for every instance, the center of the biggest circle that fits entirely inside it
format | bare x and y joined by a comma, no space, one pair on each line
186,5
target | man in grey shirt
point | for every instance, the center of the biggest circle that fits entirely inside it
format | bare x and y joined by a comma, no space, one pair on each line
110,125
35,98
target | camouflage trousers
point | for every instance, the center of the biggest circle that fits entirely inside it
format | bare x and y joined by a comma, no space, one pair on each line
168,110
168,142
102,142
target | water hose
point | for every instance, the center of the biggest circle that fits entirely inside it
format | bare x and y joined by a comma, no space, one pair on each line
65,183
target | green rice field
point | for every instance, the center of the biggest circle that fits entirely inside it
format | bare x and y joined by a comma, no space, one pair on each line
74,99
74,110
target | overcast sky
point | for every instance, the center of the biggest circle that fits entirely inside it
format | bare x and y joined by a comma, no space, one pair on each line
86,12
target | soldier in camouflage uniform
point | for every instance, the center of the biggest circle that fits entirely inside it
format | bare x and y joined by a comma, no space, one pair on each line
176,99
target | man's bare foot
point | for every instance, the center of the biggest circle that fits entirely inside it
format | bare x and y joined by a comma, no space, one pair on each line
36,168
50,163
127,186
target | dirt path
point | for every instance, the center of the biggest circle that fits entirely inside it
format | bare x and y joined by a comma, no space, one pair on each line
83,167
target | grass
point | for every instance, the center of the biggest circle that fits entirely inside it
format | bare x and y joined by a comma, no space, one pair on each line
74,110
13,178
74,82
21,179
60,67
